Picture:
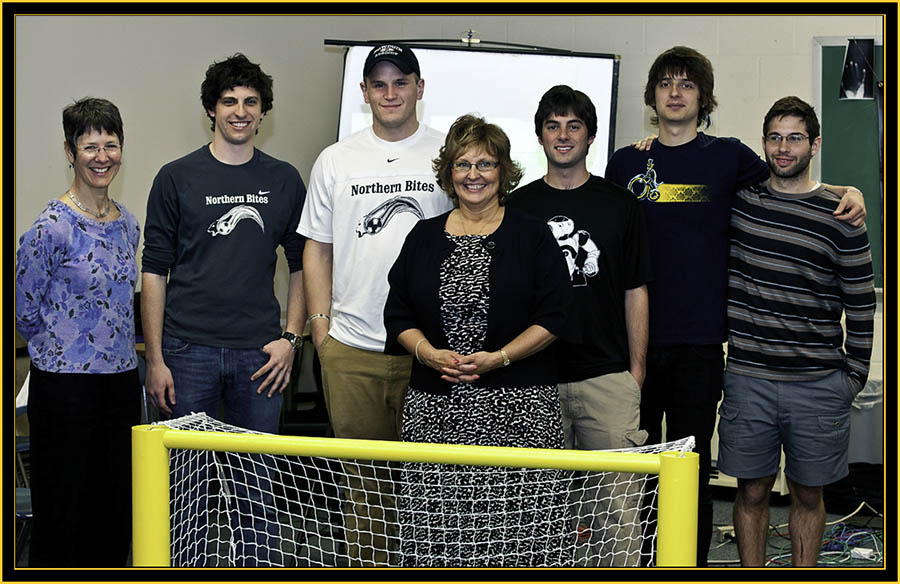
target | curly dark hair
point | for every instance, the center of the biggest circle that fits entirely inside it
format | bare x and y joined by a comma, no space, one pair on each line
688,62
235,71
469,132
91,114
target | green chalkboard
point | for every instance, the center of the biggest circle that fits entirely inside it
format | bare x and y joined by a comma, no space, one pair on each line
850,144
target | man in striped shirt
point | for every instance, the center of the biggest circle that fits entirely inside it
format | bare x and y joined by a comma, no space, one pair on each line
794,270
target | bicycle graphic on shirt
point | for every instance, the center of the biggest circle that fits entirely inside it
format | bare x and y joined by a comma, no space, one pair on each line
647,184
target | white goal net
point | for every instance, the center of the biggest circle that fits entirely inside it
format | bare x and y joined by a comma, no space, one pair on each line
235,509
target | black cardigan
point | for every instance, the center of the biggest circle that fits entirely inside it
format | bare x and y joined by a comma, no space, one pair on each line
529,282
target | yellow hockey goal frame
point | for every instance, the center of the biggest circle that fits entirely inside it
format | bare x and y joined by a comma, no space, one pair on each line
678,477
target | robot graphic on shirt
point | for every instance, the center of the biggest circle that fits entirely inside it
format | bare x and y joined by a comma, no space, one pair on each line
582,254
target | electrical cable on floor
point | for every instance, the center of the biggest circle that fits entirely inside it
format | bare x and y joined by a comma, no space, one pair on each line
842,545
841,520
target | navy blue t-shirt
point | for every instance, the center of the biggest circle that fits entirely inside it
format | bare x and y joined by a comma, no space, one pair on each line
213,229
687,193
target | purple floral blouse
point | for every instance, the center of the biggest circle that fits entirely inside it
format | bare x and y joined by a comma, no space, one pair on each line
75,282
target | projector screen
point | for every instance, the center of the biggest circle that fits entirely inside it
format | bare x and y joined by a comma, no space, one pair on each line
502,87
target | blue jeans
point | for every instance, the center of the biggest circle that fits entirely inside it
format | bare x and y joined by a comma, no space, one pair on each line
205,377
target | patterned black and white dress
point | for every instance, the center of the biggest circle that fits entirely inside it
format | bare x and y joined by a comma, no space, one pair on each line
461,515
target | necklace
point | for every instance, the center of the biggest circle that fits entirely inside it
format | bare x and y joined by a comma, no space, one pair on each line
85,209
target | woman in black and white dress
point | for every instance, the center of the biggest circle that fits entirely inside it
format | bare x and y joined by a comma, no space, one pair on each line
476,295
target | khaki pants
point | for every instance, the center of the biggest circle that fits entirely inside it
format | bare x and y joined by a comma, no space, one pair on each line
599,414
364,393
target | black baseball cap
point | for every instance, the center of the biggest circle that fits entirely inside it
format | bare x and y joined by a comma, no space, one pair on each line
399,55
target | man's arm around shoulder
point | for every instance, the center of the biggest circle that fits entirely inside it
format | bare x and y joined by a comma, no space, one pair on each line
852,208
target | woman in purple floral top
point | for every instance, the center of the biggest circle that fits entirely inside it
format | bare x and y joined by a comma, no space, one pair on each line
75,282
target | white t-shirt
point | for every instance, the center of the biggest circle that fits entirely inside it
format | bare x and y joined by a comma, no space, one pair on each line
365,195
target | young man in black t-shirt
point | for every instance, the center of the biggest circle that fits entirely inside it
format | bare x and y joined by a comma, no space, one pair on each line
600,229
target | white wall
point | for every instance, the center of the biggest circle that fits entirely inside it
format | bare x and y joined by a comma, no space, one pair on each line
152,67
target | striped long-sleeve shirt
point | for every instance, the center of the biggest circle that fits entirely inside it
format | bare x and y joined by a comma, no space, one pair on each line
793,270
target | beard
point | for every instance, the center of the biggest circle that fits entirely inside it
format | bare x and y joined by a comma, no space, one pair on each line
798,168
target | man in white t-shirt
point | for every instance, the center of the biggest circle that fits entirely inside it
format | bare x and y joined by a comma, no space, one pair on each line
366,192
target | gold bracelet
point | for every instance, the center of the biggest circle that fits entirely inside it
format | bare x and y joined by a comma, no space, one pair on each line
506,360
422,340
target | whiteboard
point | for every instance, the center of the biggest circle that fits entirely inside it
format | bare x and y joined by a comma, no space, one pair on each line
502,87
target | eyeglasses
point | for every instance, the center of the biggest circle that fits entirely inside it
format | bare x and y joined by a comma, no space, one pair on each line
94,150
463,166
792,139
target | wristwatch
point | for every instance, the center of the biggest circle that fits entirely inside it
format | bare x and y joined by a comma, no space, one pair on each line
293,339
